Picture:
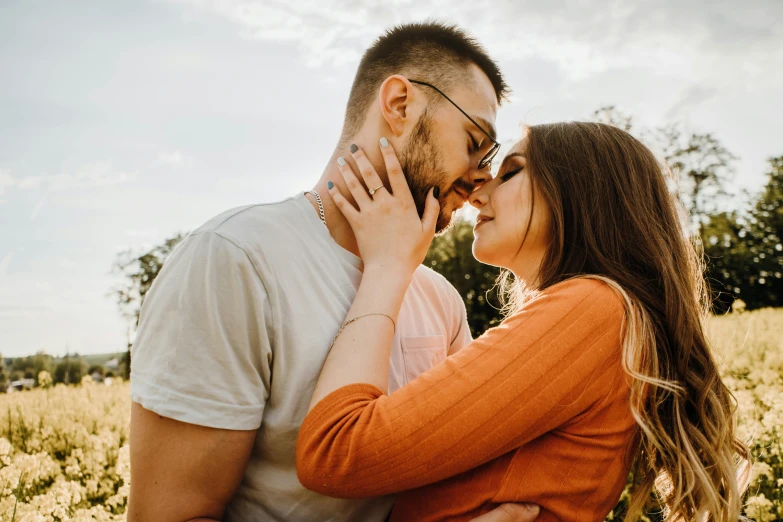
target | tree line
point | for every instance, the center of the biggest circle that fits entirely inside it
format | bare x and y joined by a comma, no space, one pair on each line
67,370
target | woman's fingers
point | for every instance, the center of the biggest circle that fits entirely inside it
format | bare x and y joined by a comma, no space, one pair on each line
370,177
397,181
357,190
343,205
429,218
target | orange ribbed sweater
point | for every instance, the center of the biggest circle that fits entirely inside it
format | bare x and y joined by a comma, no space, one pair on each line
535,410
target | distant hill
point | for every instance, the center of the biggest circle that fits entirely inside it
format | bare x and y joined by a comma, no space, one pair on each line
100,358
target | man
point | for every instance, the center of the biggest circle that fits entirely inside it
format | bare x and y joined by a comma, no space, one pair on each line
235,329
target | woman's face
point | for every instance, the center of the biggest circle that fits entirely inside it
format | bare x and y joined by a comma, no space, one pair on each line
513,229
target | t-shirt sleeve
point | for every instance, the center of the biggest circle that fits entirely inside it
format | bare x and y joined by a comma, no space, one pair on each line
202,354
542,367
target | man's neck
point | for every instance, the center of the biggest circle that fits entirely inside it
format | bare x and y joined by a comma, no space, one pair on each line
338,226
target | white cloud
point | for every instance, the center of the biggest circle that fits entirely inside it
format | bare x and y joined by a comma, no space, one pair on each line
93,175
583,38
6,181
326,31
146,232
39,206
174,158
5,263
30,182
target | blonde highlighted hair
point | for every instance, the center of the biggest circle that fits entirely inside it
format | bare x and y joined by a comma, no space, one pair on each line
614,219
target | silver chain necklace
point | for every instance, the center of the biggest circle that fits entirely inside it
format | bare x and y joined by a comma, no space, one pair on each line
320,205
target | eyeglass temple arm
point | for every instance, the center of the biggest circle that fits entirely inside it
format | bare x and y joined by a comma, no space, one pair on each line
493,140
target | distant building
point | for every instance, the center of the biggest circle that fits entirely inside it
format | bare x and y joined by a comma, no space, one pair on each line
112,364
21,384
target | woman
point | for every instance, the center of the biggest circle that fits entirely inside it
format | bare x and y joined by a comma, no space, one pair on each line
601,367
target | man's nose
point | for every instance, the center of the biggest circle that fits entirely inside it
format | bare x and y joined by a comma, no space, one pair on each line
479,197
480,176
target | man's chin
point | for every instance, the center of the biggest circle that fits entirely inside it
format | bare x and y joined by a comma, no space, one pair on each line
445,220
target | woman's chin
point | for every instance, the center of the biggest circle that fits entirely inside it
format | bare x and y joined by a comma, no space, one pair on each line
480,252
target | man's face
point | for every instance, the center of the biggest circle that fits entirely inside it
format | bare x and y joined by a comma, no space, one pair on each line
444,148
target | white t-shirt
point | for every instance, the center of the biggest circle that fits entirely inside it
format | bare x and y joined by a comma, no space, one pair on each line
236,327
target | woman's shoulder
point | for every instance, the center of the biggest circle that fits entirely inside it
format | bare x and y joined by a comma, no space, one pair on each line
578,301
594,292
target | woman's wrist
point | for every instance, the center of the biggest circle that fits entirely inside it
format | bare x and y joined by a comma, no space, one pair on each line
391,273
383,288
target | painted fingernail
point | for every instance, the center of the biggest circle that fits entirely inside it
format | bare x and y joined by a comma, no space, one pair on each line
436,192
353,148
341,161
384,142
329,184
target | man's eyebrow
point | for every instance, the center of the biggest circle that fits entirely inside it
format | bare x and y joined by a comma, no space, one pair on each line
486,125
507,158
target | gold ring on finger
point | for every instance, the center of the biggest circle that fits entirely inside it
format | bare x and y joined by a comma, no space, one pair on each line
373,191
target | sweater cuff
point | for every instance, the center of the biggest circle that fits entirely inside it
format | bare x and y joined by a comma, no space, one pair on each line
350,393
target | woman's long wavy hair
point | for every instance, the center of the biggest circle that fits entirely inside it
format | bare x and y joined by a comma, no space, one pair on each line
615,219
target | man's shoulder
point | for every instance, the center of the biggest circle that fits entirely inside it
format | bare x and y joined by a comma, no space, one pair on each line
259,227
430,280
240,222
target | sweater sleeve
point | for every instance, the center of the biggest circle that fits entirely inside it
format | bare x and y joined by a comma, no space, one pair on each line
538,370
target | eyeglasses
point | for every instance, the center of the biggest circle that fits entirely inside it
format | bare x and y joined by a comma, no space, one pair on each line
486,161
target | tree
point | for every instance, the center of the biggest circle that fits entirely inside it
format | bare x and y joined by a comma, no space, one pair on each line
3,376
451,254
44,379
745,251
611,115
139,272
702,164
703,167
29,367
727,256
765,281
96,368
70,370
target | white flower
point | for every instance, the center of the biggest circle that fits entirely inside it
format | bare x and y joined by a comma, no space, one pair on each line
760,508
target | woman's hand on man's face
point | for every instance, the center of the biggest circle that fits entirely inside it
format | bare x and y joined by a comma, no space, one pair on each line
387,226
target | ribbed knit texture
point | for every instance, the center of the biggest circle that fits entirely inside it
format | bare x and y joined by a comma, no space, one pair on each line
535,410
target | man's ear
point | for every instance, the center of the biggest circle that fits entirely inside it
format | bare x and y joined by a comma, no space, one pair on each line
395,97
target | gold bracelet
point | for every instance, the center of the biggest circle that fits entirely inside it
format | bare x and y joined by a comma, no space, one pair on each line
346,323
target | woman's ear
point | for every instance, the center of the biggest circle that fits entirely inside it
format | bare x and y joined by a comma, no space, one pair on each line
395,97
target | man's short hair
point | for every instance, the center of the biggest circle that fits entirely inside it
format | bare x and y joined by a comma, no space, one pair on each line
431,51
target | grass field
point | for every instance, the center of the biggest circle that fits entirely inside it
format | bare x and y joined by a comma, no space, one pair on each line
64,451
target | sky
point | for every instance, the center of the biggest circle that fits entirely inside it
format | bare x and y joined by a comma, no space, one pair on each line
125,122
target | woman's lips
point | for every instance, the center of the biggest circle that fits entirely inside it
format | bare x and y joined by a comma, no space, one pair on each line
481,221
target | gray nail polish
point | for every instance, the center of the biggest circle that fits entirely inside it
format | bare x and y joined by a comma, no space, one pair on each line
341,161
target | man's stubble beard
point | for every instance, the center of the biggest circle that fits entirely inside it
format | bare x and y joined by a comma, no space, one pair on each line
423,169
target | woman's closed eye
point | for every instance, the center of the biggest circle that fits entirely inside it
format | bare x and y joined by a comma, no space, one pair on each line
510,174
